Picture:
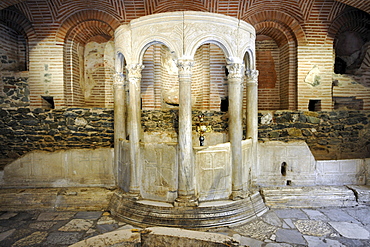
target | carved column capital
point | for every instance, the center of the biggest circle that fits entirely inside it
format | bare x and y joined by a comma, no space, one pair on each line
119,80
252,76
185,66
134,73
236,70
134,70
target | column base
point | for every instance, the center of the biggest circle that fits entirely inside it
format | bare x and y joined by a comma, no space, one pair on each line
238,195
186,201
135,196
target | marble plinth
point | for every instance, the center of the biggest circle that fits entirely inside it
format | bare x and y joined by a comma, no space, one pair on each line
206,215
314,196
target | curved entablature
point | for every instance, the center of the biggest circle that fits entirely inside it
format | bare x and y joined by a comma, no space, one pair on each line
183,33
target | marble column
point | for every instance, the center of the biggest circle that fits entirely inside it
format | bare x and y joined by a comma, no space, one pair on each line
134,80
119,119
186,171
235,81
252,104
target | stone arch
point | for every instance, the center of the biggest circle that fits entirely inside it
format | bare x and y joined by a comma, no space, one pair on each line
218,41
155,40
249,60
120,62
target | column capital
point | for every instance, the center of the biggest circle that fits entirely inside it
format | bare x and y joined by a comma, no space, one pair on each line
119,80
252,75
184,66
134,70
236,70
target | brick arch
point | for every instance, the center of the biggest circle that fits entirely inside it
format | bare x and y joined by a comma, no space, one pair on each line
279,20
287,84
107,9
17,22
83,16
79,34
178,5
349,20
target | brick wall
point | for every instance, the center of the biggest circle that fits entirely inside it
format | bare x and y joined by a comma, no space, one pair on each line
304,35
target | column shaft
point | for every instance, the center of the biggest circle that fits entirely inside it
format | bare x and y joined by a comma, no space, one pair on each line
134,79
119,120
252,104
186,183
235,80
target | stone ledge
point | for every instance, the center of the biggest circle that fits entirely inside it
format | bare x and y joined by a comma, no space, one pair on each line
315,196
82,198
159,236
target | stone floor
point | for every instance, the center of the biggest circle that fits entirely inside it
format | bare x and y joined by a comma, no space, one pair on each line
334,226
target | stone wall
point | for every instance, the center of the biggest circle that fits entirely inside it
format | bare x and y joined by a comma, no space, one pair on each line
14,91
330,135
24,129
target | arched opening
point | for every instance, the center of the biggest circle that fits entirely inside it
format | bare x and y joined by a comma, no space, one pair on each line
14,92
351,42
277,80
89,65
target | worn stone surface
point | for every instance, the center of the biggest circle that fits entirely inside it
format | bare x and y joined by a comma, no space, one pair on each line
313,227
55,216
34,228
33,239
77,225
290,213
315,214
63,238
257,229
350,230
322,242
290,236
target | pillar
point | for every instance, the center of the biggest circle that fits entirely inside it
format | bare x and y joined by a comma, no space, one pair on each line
134,80
252,104
119,119
235,81
186,171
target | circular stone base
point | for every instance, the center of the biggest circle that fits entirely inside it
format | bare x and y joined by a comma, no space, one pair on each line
211,214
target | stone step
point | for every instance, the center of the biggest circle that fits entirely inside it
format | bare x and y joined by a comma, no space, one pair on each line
315,196
205,216
82,198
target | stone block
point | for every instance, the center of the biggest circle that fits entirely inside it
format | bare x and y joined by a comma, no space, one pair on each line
314,196
164,236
